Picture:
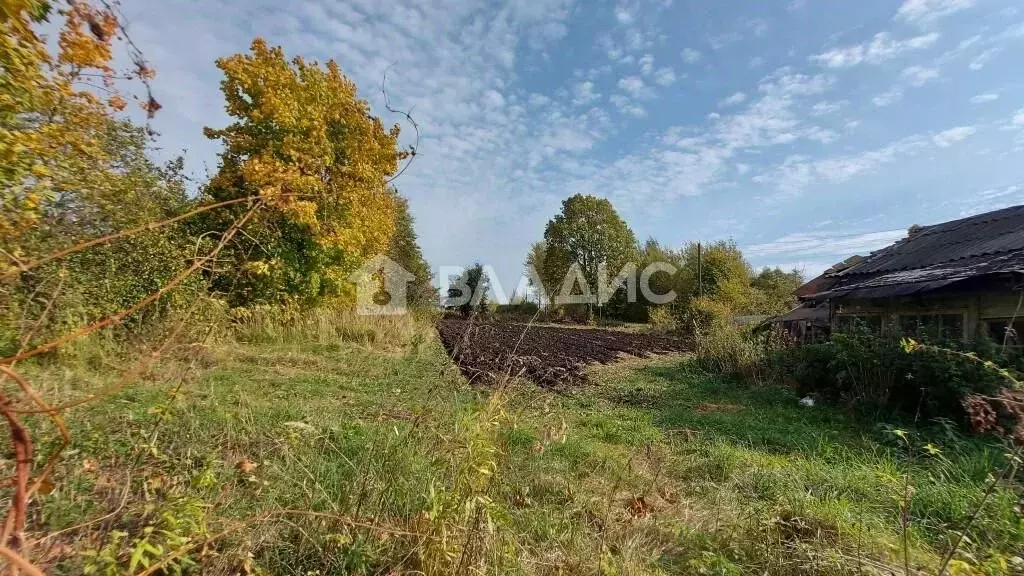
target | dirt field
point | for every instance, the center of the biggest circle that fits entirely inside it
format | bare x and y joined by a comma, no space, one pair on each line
550,356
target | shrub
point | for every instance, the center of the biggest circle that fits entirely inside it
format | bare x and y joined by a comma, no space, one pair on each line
873,373
521,312
724,347
127,192
661,319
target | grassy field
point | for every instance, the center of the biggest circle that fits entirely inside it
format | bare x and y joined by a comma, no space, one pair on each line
324,452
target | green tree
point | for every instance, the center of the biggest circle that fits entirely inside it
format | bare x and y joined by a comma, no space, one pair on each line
534,269
774,290
309,148
652,253
722,275
588,233
405,250
467,292
53,121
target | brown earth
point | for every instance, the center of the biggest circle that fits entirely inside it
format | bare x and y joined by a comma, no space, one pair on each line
550,356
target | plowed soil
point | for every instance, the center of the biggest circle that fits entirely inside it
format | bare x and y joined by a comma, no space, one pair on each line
550,356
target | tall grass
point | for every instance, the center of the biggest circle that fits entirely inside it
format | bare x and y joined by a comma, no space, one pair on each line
328,325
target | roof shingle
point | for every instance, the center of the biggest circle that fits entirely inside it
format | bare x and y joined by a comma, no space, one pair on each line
934,256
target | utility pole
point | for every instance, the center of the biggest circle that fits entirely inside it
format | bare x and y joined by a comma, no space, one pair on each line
700,273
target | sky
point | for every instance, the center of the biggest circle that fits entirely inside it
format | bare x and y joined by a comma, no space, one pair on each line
804,130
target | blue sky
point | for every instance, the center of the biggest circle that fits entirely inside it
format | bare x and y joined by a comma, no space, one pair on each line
807,131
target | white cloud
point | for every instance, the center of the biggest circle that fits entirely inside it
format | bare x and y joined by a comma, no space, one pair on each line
635,111
623,15
664,77
947,138
626,106
919,75
824,108
982,59
453,65
646,64
733,100
984,98
758,26
888,98
837,243
686,161
493,99
537,100
583,93
635,87
879,49
1018,119
690,55
719,41
927,11
796,173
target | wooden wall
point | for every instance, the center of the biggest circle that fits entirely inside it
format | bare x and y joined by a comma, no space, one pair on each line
976,307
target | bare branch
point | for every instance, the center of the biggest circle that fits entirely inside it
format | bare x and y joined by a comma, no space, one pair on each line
414,149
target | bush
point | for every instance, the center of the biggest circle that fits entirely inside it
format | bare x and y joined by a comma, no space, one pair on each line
572,314
724,347
872,373
521,312
661,319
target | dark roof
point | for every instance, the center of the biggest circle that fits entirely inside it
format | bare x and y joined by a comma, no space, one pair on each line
815,314
935,256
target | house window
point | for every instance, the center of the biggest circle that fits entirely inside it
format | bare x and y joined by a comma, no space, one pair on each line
869,322
998,329
936,327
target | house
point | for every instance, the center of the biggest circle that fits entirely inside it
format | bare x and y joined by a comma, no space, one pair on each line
961,279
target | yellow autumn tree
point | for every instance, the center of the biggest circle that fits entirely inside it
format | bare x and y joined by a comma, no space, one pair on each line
55,109
309,148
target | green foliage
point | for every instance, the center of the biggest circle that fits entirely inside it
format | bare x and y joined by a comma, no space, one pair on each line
657,467
587,233
467,292
99,282
307,146
773,290
171,527
873,373
405,251
724,275
723,347
534,270
518,312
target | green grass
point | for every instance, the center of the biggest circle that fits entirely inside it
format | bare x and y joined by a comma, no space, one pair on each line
654,468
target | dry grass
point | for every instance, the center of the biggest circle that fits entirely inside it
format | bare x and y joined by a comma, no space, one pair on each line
303,447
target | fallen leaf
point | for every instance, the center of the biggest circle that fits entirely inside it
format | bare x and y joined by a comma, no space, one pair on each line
46,486
638,507
245,466
300,426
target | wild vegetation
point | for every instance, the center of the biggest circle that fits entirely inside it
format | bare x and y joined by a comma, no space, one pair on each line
365,451
587,245
187,388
